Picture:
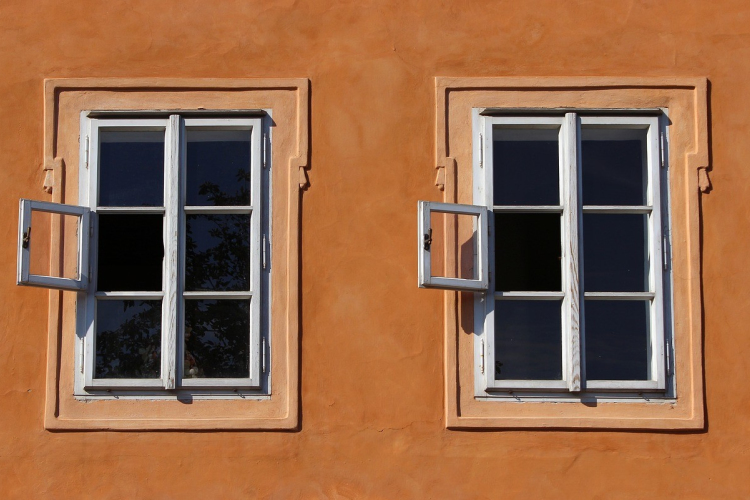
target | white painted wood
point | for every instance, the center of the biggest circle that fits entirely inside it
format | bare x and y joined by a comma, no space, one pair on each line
570,239
539,385
171,270
528,208
529,295
620,295
131,210
245,209
26,238
623,385
619,209
129,295
209,295
426,280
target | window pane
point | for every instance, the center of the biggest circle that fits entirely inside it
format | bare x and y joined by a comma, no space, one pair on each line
462,250
615,253
218,167
217,338
617,338
526,166
528,340
131,168
128,339
131,252
528,252
218,252
614,166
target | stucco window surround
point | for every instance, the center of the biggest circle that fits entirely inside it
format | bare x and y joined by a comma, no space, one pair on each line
68,104
684,105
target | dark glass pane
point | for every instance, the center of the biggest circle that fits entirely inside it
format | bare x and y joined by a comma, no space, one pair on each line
528,340
218,252
217,338
526,167
218,167
615,255
617,337
131,169
614,166
528,252
128,339
131,252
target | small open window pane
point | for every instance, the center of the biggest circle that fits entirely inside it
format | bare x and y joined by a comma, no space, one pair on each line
528,252
218,167
131,252
461,254
131,168
39,247
615,253
617,338
217,252
528,340
614,166
128,339
217,339
526,166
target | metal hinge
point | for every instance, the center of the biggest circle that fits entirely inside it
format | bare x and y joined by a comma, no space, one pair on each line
481,151
86,152
83,352
264,153
264,252
669,357
481,358
664,251
263,354
661,148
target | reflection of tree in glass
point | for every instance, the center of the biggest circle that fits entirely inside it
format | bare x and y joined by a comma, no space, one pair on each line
218,258
133,349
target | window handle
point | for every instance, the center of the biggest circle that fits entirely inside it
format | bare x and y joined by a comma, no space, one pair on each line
26,238
428,239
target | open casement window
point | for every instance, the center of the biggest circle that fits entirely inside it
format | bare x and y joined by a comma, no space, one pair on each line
25,275
459,267
178,255
575,302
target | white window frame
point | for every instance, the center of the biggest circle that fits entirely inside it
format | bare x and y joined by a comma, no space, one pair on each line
573,385
24,275
172,382
426,279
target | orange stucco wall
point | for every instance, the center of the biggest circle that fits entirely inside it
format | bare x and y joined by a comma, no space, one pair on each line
372,405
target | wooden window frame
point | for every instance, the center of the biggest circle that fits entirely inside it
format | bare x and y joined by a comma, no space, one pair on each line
573,384
172,382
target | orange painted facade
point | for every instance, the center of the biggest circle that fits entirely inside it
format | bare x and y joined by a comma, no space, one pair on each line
370,416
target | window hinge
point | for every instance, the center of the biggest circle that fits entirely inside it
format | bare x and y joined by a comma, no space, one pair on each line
264,153
86,152
664,252
481,358
661,148
669,357
264,252
82,354
481,151
263,354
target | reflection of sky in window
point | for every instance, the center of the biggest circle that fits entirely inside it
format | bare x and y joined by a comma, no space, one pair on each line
218,252
616,339
218,167
128,338
528,340
614,170
131,168
615,253
218,336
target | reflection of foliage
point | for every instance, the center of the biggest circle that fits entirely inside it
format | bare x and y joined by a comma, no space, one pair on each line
217,331
133,349
217,338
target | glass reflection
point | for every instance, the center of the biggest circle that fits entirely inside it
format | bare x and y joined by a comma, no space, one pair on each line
615,253
218,252
614,169
131,252
131,168
617,338
528,252
217,339
128,339
528,340
526,167
218,167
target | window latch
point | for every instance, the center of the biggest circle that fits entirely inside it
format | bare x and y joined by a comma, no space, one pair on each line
26,238
428,239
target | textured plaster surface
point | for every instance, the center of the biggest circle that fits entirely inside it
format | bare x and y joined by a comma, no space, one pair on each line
371,385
